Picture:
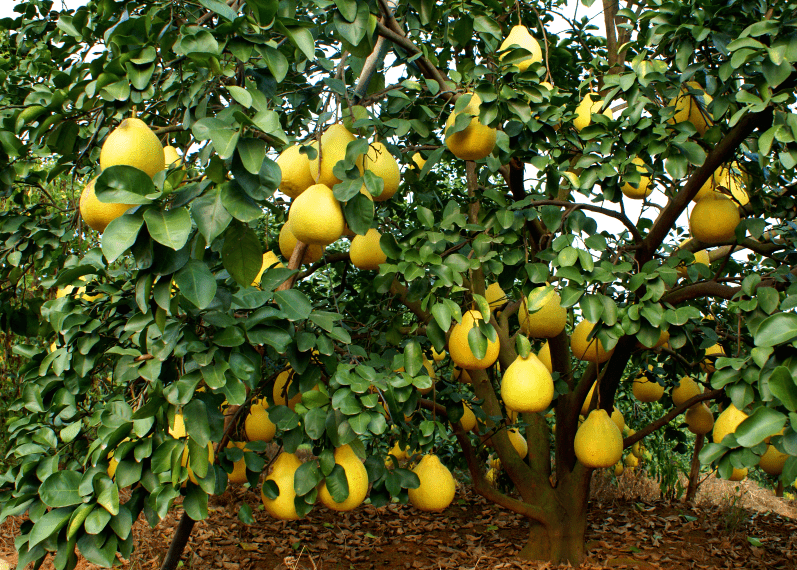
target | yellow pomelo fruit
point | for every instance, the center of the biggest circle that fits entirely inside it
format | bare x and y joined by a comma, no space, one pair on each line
527,385
588,106
618,419
459,349
258,426
438,356
295,168
437,487
132,143
96,214
365,251
461,375
518,442
238,475
588,400
356,476
589,350
715,350
700,257
475,141
598,442
177,430
468,419
399,453
738,474
631,460
79,292
520,37
384,165
699,419
545,356
727,180
548,322
495,295
316,216
172,158
333,149
689,108
773,461
269,260
618,469
282,385
491,476
686,390
418,160
644,189
288,241
714,219
282,473
727,422
647,390
184,462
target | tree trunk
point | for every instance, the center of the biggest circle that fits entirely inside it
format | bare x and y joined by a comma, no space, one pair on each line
694,471
779,488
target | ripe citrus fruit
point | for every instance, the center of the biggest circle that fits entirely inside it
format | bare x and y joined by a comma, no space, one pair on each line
295,168
589,104
545,356
282,473
288,241
356,476
549,321
647,390
527,385
96,214
172,158
333,149
384,165
316,216
365,251
727,422
699,419
686,390
258,426
644,188
495,295
714,219
598,442
437,487
518,442
238,474
475,141
132,143
519,36
282,386
459,349
589,350
691,108
773,461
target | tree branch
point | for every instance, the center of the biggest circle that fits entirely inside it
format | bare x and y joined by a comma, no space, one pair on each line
400,291
669,416
592,208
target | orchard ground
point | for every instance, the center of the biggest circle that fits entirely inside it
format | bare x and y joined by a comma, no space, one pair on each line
732,525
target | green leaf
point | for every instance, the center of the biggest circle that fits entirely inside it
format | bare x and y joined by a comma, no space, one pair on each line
761,424
522,346
223,10
477,342
210,215
245,514
196,503
252,152
337,484
197,283
359,212
120,235
693,152
195,415
307,476
49,525
97,520
482,306
413,358
170,228
125,185
242,96
61,489
442,314
777,329
781,384
294,304
242,254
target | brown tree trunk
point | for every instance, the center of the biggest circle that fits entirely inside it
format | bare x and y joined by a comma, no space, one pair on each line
779,488
694,471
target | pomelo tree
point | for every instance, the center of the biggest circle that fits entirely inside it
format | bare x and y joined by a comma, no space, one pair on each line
170,323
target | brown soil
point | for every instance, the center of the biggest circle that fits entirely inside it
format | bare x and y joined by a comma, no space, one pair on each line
733,525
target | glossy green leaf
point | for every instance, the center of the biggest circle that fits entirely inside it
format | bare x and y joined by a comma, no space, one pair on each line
197,283
777,329
762,423
170,228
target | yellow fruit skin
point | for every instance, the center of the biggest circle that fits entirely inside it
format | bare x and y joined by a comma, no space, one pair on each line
545,356
269,260
548,322
96,214
592,350
384,165
714,219
475,141
587,401
519,36
288,241
333,149
699,419
438,356
172,158
365,252
316,216
647,390
283,474
773,461
644,188
178,429
589,104
295,167
686,390
708,364
282,386
518,442
437,487
687,108
631,460
418,160
738,474
725,178
468,419
495,295
618,469
598,442
356,476
618,419
459,349
727,422
527,385
132,143
258,426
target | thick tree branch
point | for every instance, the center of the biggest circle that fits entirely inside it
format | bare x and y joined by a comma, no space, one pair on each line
400,291
669,416
699,290
592,208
